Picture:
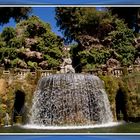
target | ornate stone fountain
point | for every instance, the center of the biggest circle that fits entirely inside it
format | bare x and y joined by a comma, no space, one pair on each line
70,99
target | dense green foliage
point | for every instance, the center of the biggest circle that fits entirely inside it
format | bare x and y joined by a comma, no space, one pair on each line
130,16
75,22
17,13
99,35
31,44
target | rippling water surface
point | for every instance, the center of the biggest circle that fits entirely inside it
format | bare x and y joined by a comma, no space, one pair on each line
122,128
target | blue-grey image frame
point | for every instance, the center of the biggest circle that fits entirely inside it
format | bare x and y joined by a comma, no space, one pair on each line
70,137
69,2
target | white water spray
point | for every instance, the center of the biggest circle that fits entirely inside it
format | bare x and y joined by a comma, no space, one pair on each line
70,101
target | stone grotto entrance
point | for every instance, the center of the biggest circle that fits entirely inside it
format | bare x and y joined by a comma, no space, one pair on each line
18,109
121,101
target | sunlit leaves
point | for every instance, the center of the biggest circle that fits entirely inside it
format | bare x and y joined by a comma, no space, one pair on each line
29,43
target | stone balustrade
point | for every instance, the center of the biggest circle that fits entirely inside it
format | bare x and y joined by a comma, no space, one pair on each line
117,72
22,73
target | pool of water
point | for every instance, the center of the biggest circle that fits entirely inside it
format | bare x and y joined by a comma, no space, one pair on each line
121,128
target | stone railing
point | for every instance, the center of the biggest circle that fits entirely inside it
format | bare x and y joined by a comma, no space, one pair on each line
22,73
117,72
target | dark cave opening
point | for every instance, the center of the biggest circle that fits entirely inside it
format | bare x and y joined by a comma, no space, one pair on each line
18,105
121,100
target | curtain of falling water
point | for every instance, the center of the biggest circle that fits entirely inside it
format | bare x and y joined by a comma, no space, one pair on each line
70,99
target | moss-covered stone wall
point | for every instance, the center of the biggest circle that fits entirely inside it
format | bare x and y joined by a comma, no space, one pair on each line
9,85
130,85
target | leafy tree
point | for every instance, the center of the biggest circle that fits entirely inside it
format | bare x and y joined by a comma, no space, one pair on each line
98,34
130,16
31,45
8,33
75,22
17,13
121,42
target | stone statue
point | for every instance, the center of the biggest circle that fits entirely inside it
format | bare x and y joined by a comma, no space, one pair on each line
137,61
7,118
67,66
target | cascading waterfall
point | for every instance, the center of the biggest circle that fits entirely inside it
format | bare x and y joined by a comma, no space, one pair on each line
70,100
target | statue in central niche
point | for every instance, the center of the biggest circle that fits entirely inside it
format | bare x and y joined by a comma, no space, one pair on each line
67,66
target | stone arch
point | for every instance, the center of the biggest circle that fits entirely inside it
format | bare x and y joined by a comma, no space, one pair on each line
19,103
121,104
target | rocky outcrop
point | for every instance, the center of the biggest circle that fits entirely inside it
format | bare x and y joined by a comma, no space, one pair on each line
136,43
106,41
21,64
43,64
27,54
88,42
112,63
30,41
